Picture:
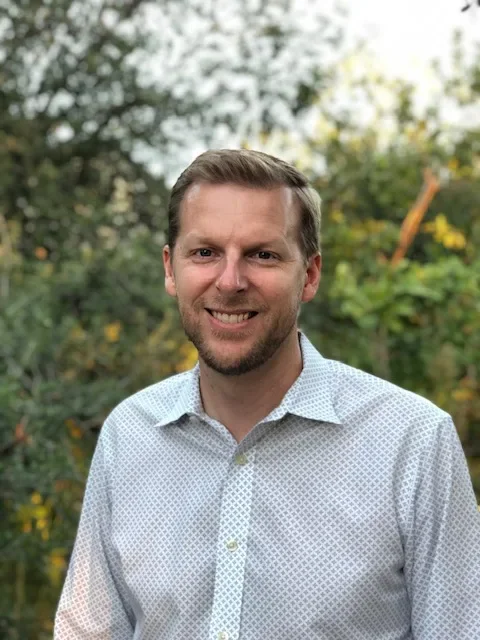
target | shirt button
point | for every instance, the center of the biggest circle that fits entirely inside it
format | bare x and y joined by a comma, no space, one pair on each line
241,458
232,545
223,635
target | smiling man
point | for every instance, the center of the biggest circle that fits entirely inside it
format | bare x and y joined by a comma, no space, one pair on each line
240,273
269,492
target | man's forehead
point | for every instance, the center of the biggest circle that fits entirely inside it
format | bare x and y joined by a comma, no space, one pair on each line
212,211
207,196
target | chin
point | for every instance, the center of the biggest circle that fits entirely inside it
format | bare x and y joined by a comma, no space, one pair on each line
235,354
229,368
235,364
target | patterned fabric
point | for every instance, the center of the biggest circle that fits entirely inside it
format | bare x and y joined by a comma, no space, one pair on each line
347,514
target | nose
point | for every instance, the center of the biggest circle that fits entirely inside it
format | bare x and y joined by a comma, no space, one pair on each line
231,278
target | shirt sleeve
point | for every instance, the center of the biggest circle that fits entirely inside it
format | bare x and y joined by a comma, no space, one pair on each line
93,604
443,574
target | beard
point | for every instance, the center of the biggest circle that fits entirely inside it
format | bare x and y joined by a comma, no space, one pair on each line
263,348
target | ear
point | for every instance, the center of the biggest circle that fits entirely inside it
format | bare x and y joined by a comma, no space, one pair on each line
170,287
312,277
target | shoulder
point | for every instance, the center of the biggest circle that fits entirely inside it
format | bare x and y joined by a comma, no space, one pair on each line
149,405
392,432
361,396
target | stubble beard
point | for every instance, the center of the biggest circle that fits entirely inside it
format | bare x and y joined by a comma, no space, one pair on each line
262,350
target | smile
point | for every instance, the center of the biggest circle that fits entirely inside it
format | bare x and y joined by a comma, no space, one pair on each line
232,318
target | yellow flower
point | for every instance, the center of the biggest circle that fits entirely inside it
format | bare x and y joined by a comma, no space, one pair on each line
453,239
36,498
41,524
112,331
57,561
337,216
56,565
446,234
40,513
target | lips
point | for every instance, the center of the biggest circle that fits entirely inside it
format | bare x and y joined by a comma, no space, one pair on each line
232,318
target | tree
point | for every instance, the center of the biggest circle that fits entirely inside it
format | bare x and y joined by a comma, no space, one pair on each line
95,96
417,321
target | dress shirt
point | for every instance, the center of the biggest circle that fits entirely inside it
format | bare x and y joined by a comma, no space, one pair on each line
346,514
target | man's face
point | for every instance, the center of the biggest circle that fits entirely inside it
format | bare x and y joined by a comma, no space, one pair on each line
238,273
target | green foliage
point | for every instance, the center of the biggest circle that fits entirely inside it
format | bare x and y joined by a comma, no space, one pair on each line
416,323
90,89
84,319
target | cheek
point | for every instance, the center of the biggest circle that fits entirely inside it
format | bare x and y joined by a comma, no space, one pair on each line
193,282
279,286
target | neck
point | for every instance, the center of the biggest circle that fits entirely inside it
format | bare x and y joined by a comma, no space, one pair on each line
240,402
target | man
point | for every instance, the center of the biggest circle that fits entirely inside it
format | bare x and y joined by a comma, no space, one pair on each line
268,493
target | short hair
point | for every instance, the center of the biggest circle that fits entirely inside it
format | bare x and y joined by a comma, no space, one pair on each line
249,168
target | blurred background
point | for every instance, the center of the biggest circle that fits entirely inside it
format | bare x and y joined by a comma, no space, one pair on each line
104,102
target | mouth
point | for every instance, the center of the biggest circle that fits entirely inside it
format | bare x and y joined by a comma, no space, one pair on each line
232,318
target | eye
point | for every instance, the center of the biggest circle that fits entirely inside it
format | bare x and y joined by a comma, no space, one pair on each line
265,255
203,253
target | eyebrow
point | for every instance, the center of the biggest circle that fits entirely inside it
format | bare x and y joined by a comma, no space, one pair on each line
193,238
257,246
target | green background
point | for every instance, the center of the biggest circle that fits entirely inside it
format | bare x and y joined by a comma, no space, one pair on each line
84,319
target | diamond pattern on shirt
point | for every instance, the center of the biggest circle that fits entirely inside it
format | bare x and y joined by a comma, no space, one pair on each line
351,516
232,550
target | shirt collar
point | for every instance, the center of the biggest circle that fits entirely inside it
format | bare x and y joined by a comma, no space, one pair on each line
188,400
310,396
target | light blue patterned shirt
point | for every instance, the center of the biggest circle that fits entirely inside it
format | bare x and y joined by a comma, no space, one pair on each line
346,514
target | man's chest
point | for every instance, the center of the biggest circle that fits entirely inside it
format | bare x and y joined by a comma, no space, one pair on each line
262,540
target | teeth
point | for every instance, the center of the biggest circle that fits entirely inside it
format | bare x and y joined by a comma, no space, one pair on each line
231,318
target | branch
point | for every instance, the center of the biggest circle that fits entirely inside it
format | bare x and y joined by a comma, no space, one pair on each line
414,217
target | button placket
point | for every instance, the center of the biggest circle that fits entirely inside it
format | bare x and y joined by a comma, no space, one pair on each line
232,545
232,549
241,459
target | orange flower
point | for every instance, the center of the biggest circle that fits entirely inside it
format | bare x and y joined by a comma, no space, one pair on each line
41,253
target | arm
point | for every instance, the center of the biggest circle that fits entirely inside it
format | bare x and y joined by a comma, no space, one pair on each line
443,568
92,605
